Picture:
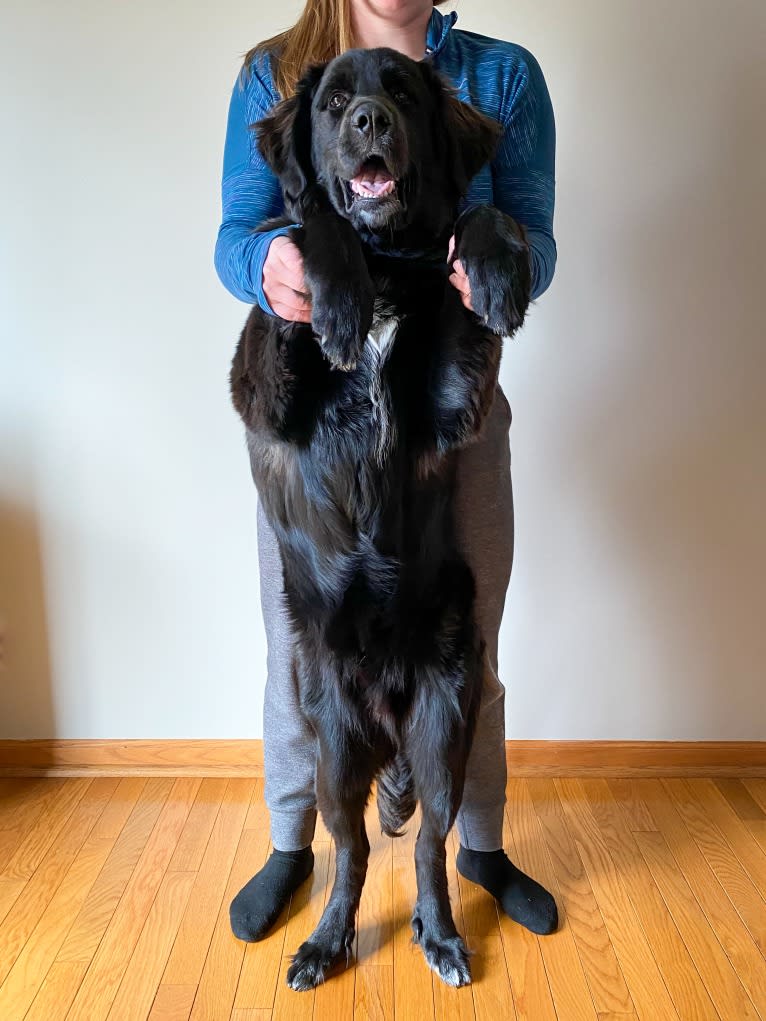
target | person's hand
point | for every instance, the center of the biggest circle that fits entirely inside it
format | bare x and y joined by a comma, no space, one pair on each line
459,278
283,281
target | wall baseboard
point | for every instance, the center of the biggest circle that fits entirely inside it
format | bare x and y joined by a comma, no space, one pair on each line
245,758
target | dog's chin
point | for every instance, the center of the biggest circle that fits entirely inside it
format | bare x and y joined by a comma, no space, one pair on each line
373,198
375,214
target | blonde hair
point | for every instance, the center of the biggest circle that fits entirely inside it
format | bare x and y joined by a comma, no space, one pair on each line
321,32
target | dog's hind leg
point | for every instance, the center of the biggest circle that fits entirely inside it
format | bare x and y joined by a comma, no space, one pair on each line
344,777
438,752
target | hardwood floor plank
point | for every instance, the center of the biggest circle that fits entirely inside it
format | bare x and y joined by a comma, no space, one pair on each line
663,918
742,842
563,965
721,914
757,828
262,961
90,924
413,988
254,817
374,997
756,787
139,984
683,981
173,1003
26,799
58,990
116,814
647,989
191,846
39,891
39,952
635,812
722,858
43,833
490,986
221,971
99,987
10,839
532,996
740,800
187,958
724,987
10,891
580,910
334,1000
305,911
13,793
375,915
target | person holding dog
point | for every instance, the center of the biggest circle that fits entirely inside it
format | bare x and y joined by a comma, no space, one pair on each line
505,82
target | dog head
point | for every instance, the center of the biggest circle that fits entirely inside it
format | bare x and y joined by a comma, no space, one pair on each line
381,136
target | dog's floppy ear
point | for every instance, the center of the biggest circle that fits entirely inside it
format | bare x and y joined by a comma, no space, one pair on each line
284,139
470,137
473,138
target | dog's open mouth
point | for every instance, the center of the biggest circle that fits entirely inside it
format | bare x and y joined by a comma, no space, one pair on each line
373,181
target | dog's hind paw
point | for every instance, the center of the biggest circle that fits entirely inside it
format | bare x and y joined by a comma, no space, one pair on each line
447,957
312,963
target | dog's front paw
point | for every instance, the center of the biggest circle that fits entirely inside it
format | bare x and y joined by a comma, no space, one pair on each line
495,256
341,319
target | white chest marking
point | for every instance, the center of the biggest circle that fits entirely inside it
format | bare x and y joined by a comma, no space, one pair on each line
379,341
382,334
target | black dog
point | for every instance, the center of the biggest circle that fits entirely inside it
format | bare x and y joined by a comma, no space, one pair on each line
353,425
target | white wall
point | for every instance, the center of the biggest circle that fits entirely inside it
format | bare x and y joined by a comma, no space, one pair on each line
128,580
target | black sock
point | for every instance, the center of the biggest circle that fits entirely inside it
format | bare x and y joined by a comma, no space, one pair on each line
258,904
524,900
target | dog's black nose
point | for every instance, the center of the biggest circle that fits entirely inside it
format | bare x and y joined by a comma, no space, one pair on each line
371,119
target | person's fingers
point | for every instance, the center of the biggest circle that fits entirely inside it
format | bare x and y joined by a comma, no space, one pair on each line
288,304
284,283
290,265
283,268
451,247
461,285
291,315
289,296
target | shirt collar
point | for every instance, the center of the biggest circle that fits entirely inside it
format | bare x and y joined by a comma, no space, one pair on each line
439,27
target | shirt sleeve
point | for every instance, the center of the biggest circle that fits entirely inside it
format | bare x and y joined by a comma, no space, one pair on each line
523,170
250,194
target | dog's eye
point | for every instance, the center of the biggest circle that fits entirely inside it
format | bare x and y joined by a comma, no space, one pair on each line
337,101
400,96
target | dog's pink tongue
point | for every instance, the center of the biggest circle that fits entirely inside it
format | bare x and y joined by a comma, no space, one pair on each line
373,182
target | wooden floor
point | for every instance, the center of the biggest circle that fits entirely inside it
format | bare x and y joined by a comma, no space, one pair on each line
114,901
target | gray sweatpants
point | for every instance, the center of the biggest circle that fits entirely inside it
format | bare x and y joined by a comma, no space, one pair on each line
485,517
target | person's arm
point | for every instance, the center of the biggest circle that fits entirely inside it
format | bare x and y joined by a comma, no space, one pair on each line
250,195
523,170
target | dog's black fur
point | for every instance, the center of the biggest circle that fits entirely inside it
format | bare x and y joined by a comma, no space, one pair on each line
353,446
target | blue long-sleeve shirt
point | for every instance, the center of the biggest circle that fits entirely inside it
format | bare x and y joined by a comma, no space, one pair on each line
501,79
